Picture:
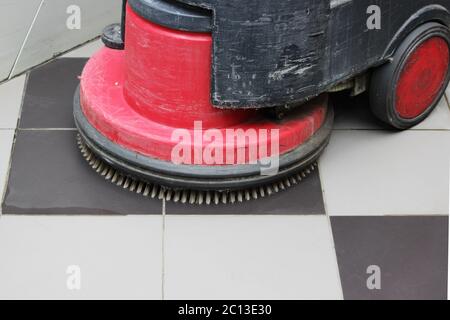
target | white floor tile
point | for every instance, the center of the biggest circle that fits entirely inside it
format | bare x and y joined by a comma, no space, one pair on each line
118,257
51,36
250,257
358,117
386,173
447,93
85,51
439,119
6,140
16,18
11,94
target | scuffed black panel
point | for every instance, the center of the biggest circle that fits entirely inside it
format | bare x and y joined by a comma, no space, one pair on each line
267,52
276,52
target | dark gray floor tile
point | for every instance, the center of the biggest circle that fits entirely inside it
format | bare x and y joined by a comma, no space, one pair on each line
302,199
49,94
49,176
48,104
410,252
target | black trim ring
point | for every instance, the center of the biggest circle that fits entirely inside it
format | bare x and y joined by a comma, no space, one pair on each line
173,14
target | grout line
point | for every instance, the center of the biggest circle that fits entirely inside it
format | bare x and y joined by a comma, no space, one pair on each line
392,215
8,171
13,144
163,266
24,91
55,57
47,129
338,274
16,61
448,235
447,100
330,230
63,55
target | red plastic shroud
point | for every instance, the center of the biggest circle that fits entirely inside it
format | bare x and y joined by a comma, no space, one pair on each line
422,78
137,97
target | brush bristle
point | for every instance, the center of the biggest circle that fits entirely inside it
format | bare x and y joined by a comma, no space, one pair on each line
185,196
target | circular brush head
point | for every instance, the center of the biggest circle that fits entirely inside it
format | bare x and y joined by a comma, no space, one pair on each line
198,197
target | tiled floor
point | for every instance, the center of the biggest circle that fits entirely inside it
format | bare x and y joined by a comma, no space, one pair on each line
6,142
377,172
379,201
118,257
34,31
411,253
257,257
11,94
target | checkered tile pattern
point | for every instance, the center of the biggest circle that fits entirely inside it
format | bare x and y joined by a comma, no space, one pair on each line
371,223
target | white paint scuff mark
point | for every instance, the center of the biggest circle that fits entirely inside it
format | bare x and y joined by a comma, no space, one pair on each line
338,3
296,70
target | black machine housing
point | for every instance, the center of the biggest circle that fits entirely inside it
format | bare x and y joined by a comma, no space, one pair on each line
281,53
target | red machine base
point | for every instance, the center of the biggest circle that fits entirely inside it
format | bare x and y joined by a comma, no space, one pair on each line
144,146
146,111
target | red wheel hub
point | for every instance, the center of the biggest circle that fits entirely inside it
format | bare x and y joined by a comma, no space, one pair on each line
422,78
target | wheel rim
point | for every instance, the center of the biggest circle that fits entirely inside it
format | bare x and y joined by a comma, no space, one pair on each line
422,78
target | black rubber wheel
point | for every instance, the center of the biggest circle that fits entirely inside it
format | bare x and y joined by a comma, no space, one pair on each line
405,91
